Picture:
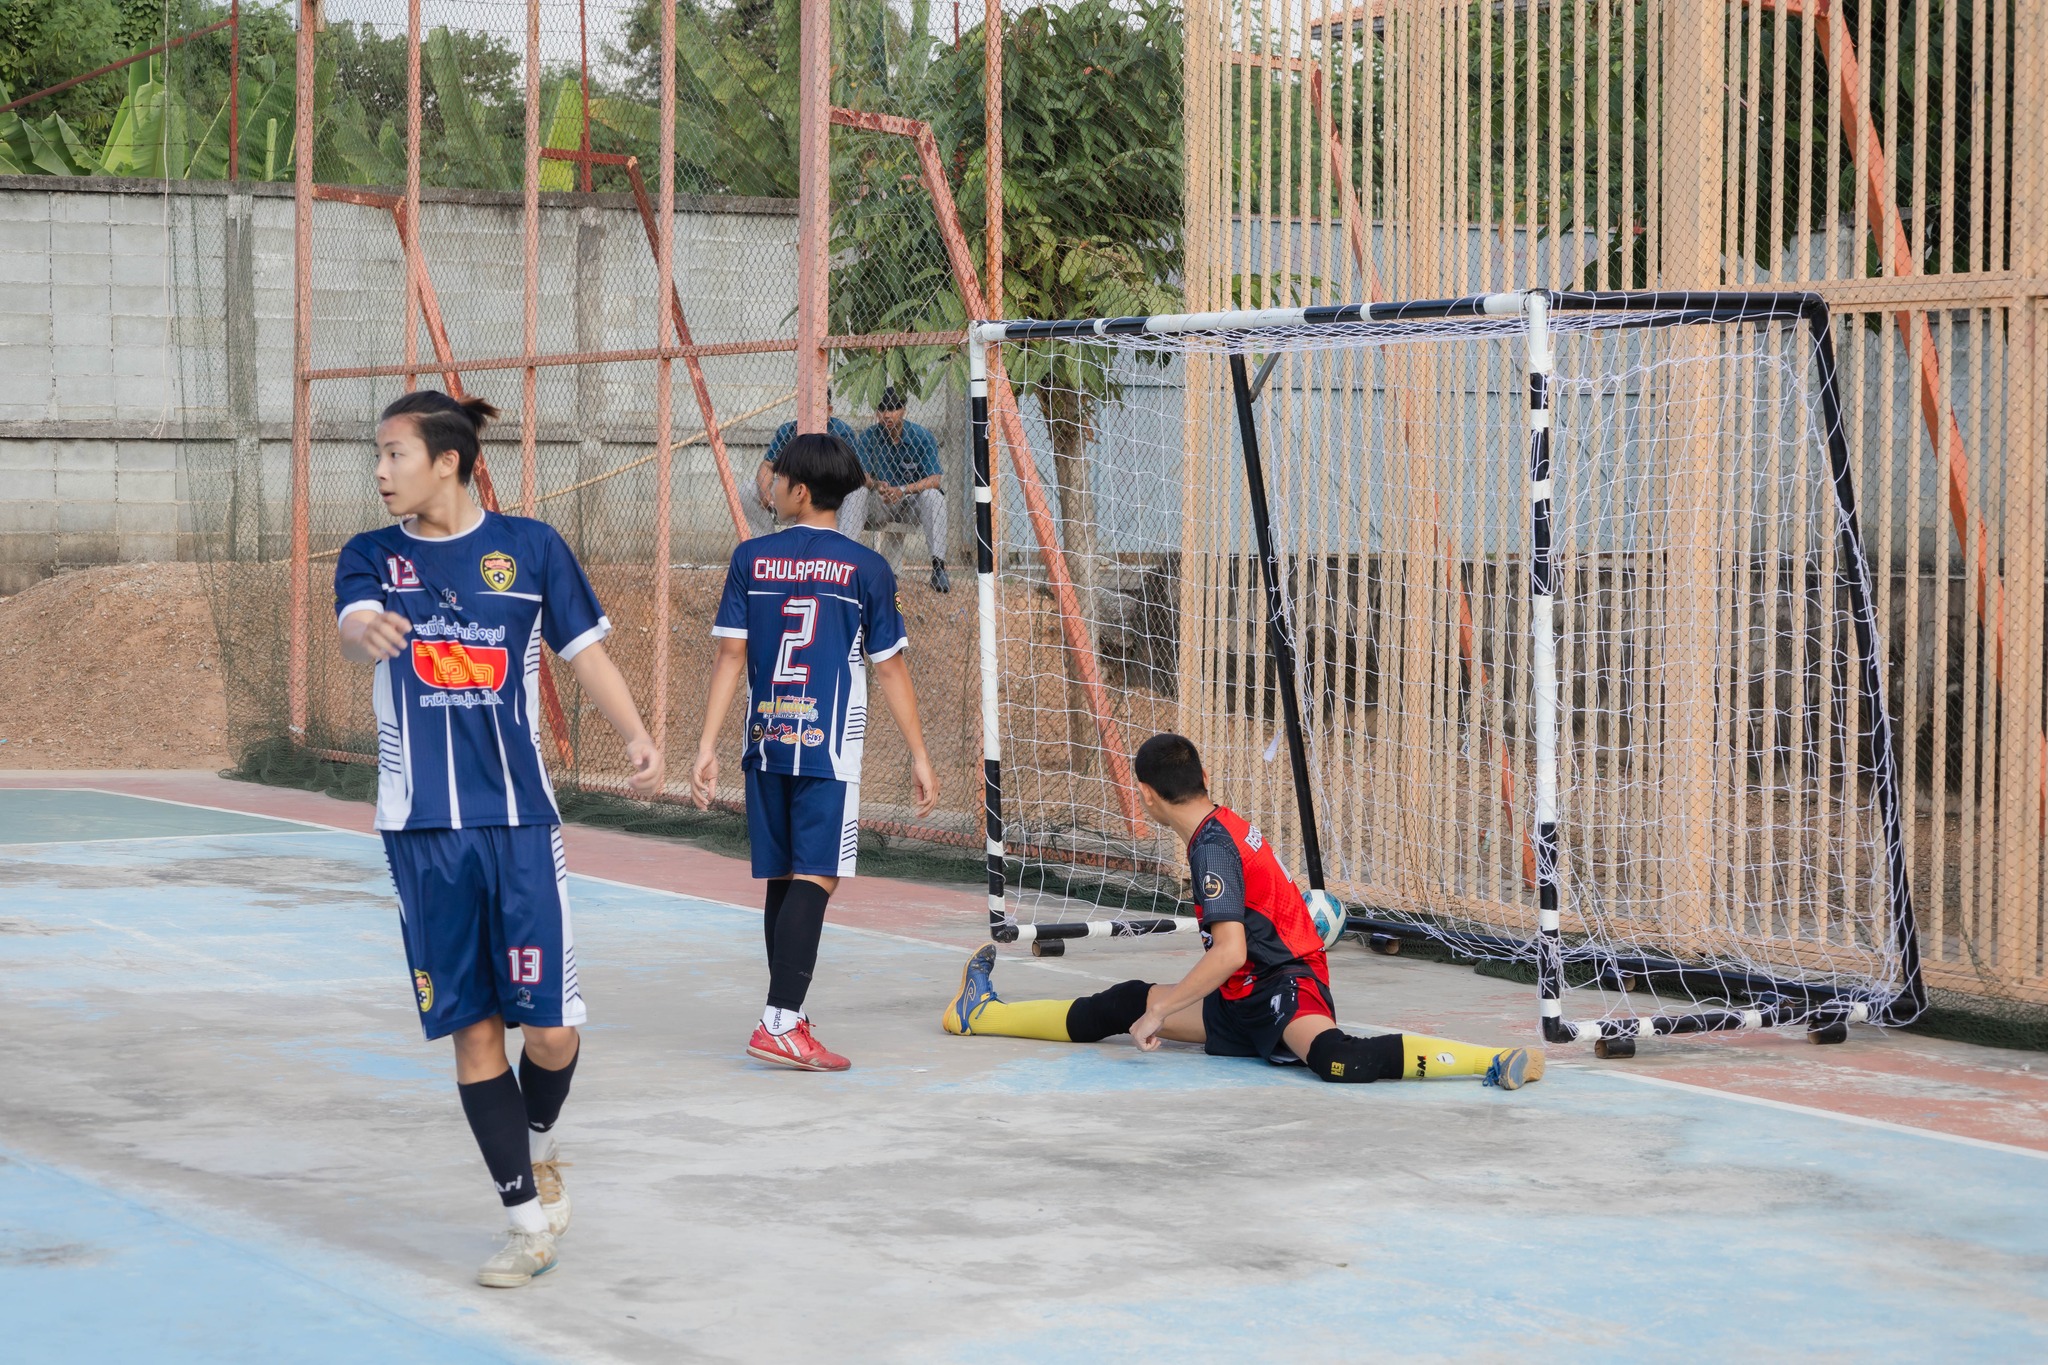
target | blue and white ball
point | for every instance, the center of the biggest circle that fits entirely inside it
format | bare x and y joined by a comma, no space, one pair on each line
1328,916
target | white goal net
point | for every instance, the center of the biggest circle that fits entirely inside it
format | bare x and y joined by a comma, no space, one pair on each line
1657,549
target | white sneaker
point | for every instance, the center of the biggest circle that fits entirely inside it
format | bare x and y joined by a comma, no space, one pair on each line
554,1200
524,1255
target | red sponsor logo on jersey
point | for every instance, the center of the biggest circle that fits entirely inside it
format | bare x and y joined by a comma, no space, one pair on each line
450,664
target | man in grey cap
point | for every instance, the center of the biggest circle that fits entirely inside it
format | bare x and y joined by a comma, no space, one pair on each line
902,463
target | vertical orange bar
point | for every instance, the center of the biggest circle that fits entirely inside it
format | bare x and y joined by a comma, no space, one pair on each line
529,394
992,137
814,211
664,378
412,192
583,66
302,361
992,228
234,90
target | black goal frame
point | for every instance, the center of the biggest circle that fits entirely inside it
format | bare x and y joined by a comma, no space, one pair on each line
1771,1002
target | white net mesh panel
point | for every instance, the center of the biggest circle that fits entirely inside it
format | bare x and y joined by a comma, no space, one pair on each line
1719,798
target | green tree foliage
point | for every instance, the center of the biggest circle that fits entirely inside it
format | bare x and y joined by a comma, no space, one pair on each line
1091,192
164,115
167,115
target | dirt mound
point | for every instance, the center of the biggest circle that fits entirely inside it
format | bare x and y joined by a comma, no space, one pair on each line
113,667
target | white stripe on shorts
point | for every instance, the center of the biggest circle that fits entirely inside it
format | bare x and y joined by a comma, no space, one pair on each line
849,830
573,1011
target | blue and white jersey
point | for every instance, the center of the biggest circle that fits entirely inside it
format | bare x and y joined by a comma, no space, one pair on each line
809,602
458,724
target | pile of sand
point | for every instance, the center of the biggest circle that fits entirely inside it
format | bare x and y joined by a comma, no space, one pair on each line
113,667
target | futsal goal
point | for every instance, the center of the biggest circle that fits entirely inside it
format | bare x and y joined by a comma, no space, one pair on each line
1538,626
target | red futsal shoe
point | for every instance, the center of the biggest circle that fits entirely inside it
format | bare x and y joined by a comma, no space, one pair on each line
796,1049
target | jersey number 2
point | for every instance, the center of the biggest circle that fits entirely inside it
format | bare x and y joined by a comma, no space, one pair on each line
805,610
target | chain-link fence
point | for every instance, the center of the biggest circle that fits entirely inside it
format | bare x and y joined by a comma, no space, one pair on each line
1153,155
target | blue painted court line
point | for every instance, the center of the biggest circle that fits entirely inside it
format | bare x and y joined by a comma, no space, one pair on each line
88,1274
35,815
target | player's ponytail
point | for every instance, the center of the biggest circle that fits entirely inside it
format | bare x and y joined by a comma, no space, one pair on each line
446,423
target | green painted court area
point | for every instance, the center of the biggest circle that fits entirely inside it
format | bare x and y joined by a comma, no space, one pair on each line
74,815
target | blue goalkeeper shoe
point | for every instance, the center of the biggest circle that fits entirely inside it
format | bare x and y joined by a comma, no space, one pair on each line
976,990
1515,1067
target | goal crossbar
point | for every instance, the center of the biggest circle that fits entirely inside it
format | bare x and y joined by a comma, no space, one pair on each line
1763,999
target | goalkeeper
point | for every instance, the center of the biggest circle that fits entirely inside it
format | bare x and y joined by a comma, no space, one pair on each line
1262,988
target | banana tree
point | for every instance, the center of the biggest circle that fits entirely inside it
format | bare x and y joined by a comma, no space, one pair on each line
486,160
48,146
156,133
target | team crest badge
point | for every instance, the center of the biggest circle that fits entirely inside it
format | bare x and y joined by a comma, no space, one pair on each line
499,570
423,987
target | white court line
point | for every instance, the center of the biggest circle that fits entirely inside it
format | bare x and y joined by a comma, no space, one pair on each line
191,805
1859,1120
173,950
1787,1106
164,838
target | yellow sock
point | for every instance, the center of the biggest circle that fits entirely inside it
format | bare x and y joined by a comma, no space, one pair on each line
1424,1057
1044,1019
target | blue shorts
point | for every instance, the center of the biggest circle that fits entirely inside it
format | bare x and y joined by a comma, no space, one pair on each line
802,826
485,914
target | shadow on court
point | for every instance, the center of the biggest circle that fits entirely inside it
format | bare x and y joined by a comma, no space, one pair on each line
224,1139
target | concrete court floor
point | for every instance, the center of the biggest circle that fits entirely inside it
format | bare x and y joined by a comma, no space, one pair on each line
222,1138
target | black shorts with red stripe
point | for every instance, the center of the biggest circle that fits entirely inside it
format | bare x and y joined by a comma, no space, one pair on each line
1255,1025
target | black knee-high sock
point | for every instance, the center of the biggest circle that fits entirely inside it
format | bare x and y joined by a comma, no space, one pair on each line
497,1115
794,954
1107,1013
1337,1056
771,911
545,1091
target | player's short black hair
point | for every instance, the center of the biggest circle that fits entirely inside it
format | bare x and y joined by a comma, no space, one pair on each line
890,401
822,463
1169,765
445,422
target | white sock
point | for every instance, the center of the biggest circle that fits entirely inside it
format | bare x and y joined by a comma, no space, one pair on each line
541,1145
780,1021
527,1217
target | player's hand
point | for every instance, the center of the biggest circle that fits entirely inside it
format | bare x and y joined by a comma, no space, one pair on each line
648,767
924,784
1145,1033
704,777
891,494
382,634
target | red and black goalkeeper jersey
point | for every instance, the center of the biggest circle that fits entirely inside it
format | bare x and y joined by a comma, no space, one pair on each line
1236,877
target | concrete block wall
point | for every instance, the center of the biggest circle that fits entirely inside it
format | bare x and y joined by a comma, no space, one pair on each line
126,427
86,386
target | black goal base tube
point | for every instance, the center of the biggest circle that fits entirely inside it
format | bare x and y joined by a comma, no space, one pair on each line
1692,978
1118,928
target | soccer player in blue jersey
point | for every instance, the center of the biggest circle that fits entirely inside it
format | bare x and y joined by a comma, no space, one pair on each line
801,609
452,604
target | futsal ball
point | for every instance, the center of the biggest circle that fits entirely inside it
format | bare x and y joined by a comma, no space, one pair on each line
1328,916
